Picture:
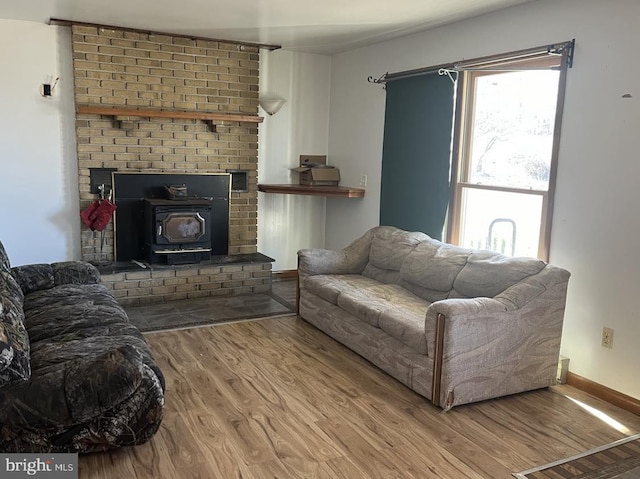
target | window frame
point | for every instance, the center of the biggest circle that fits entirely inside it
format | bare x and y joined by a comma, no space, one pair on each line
463,131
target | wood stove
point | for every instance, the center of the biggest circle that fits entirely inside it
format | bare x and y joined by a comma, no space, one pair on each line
177,231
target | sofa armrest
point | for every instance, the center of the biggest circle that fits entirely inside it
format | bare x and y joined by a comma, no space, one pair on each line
530,288
349,260
470,307
491,347
105,387
322,261
38,277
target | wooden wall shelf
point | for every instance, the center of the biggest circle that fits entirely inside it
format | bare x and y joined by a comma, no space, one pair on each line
330,191
150,113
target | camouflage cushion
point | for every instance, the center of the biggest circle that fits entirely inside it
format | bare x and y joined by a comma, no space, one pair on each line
33,277
38,277
14,340
5,265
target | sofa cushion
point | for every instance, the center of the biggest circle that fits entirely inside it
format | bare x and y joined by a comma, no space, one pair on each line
86,343
83,319
364,304
367,304
74,272
69,294
33,277
330,286
406,322
15,362
488,274
389,248
431,268
391,308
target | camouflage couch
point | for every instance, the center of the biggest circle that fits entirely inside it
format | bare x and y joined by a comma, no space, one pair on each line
75,374
453,324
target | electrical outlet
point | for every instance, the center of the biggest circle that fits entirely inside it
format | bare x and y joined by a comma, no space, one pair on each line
363,181
607,338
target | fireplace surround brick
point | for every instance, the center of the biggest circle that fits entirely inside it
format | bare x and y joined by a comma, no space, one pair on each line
116,67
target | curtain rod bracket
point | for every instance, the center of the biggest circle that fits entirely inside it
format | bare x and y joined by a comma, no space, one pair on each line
571,46
380,80
446,71
552,49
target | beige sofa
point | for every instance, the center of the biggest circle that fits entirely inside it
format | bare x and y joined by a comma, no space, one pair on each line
453,324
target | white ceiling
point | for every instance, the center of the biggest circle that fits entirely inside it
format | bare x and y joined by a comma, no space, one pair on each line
320,26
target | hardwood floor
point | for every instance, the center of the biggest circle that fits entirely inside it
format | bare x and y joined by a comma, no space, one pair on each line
277,398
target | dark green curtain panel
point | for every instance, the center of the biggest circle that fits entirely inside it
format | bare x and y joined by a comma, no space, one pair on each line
416,153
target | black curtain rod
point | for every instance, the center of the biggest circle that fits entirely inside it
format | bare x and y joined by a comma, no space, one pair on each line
418,71
476,64
63,22
409,73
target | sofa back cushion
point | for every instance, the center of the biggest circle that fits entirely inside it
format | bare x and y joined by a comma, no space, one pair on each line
14,340
33,277
430,269
389,248
488,274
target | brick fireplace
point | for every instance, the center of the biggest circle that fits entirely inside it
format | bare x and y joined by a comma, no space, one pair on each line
132,69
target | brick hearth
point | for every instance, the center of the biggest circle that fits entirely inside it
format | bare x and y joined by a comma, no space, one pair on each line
247,274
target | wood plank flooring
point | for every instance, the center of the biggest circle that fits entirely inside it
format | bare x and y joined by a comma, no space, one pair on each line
277,398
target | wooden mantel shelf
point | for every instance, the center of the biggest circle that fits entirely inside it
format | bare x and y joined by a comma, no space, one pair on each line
332,191
150,113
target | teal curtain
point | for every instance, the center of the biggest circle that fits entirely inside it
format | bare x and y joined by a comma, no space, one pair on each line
416,153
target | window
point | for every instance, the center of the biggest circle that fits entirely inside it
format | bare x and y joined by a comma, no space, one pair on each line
493,184
505,153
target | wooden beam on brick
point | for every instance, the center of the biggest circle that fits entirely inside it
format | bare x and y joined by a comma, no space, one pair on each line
121,111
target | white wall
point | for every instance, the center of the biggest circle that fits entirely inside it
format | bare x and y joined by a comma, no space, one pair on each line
595,231
38,197
287,223
39,219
